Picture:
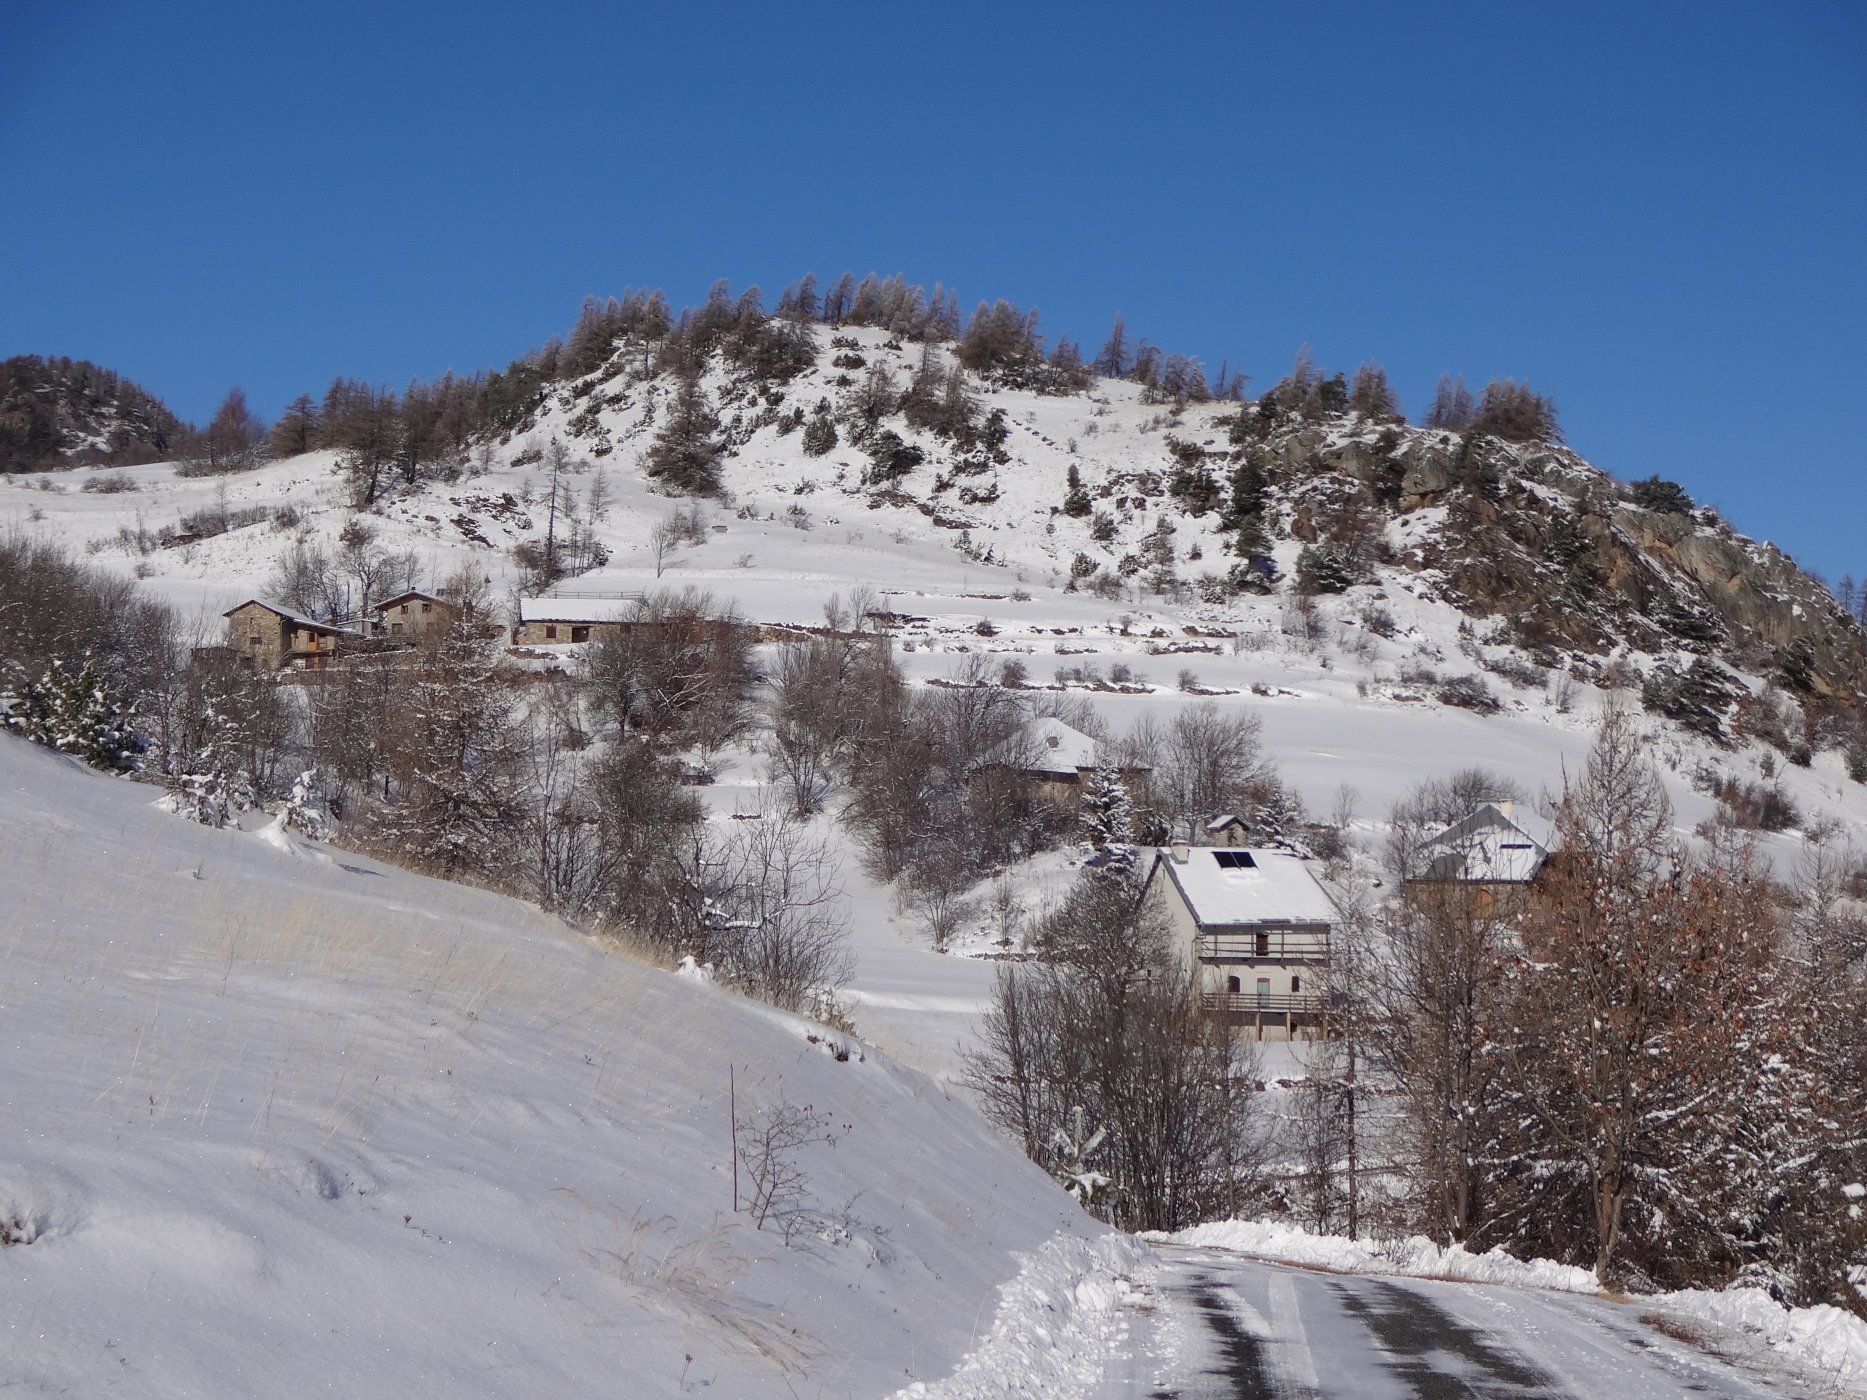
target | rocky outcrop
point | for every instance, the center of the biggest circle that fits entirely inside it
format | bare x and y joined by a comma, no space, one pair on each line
1759,593
1539,539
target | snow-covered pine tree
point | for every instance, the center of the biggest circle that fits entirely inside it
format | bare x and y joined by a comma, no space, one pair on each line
216,786
1277,814
819,432
455,774
305,809
76,712
1107,817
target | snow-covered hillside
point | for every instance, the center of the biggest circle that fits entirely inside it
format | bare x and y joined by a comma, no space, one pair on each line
1349,692
281,1119
398,1135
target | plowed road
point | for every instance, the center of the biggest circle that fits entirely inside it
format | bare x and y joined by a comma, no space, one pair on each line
1238,1329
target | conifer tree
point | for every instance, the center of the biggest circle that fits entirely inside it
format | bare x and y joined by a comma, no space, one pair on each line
685,455
1452,408
1115,358
77,713
1372,396
1245,515
456,772
1108,818
217,785
1075,499
296,432
819,433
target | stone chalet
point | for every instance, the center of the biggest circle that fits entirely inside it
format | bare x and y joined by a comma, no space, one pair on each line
275,638
413,615
548,621
1056,758
1496,850
1255,927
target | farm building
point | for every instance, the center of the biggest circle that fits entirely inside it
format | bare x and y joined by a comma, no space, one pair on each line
274,638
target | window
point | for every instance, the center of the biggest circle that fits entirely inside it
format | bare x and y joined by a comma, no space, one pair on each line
253,639
1515,846
1296,985
551,632
1263,949
1232,986
1264,989
405,610
425,607
395,627
580,634
1235,860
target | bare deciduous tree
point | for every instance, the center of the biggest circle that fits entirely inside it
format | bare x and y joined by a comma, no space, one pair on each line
1115,1029
775,919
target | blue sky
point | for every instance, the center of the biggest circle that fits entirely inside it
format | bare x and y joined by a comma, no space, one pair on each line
1655,212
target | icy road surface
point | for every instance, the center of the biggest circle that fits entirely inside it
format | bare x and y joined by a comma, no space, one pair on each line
1239,1329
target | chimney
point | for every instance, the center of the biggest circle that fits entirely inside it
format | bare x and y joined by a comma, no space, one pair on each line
1508,808
1180,853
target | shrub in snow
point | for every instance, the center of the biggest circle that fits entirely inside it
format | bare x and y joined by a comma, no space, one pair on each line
1469,693
1074,1147
891,458
214,796
766,1146
819,433
1322,569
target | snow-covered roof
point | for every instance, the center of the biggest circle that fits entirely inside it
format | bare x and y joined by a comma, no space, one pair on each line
1060,749
412,595
1495,842
1219,823
295,618
1233,885
614,609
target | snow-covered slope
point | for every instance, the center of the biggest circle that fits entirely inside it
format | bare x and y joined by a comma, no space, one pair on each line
1349,696
281,1120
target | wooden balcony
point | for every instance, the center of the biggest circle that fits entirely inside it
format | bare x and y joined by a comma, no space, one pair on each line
1273,945
1265,1003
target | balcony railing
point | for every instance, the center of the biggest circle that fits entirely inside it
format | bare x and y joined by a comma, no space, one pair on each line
1280,945
1264,1003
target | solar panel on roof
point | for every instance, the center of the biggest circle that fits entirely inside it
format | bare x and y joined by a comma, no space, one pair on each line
1235,860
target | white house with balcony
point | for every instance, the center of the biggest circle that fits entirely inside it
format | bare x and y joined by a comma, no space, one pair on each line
1255,927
